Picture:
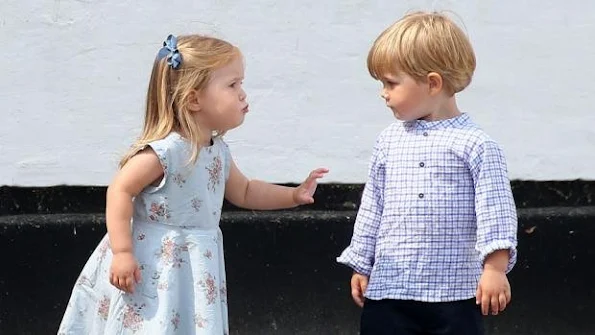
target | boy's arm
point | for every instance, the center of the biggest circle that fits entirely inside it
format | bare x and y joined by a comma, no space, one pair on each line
359,255
494,207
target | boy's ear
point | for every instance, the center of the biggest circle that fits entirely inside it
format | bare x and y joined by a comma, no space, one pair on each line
194,101
435,83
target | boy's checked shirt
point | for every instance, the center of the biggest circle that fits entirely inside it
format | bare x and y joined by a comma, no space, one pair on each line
437,202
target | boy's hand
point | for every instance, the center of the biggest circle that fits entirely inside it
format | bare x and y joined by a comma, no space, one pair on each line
493,291
359,284
124,272
303,194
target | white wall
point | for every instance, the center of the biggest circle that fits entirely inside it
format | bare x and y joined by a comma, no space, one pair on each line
74,75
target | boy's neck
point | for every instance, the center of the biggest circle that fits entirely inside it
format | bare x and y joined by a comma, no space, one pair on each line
444,109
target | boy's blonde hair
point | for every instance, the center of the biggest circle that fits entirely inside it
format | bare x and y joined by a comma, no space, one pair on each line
170,90
421,43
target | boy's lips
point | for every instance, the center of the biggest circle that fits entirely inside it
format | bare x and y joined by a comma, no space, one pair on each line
245,109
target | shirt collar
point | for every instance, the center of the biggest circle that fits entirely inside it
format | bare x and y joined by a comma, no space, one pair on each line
454,122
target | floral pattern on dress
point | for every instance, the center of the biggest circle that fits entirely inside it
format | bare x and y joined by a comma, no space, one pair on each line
178,246
214,169
200,321
103,247
170,253
156,281
163,286
84,281
159,211
196,203
103,309
179,179
132,318
208,285
174,319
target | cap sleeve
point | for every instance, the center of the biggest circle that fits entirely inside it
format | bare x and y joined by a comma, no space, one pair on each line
162,151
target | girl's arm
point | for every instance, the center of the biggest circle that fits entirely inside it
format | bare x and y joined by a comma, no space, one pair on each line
259,195
141,170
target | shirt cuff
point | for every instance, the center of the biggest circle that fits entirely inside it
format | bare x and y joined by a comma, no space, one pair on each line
354,261
500,245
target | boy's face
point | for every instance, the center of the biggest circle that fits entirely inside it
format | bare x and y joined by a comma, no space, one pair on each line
406,97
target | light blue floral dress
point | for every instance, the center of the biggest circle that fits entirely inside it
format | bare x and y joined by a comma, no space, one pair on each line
179,247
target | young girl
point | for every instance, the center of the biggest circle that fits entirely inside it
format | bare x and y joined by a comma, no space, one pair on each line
160,268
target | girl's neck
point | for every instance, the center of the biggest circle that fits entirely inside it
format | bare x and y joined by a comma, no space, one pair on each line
205,139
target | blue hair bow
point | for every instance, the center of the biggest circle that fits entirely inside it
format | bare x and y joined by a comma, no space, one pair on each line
170,50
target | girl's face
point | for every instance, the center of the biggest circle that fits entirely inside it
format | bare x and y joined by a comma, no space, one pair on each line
222,104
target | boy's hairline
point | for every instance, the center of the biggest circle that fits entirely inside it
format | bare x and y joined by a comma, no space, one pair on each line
384,60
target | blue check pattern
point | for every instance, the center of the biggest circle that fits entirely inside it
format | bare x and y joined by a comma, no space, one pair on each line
437,202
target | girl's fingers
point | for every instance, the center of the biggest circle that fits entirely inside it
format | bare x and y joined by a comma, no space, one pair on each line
129,284
321,171
121,283
137,276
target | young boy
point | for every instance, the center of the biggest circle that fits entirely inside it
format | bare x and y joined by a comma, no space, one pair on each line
435,234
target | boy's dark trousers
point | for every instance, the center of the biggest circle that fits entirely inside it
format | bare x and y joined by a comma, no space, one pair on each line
406,317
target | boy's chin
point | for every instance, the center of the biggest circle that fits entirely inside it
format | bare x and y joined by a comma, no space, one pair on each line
403,118
400,116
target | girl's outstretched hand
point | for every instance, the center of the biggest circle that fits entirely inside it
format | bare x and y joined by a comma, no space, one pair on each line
304,194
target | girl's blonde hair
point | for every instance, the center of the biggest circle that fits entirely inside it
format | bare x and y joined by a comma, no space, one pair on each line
421,43
169,91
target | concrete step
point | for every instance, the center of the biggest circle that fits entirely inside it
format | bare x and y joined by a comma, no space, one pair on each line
282,274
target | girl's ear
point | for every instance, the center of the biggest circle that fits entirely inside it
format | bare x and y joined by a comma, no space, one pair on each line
194,101
435,83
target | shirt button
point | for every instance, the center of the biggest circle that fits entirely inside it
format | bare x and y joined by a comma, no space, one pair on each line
421,195
421,164
425,133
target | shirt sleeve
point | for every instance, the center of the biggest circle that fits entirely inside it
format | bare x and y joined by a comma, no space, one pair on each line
359,255
494,203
